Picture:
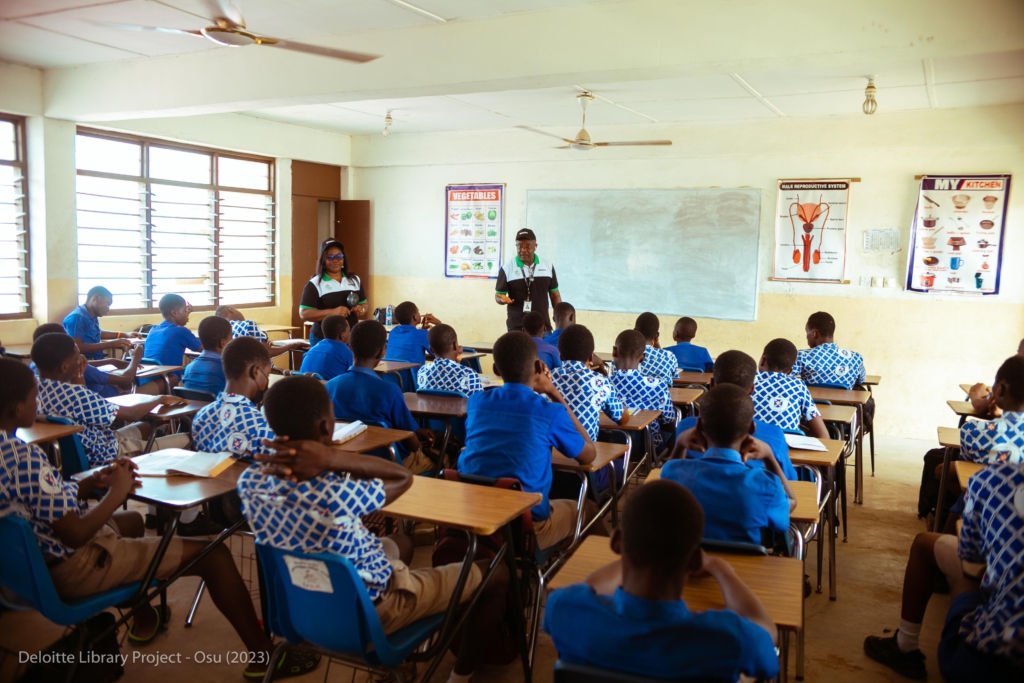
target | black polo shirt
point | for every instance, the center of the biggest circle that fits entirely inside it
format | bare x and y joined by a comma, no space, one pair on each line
515,280
323,292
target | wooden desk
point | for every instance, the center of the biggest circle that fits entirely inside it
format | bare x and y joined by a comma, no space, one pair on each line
966,388
857,398
373,438
180,493
637,421
441,407
826,462
777,581
20,351
144,371
290,344
872,380
844,397
840,414
702,378
470,355
491,381
965,470
386,366
819,458
162,412
964,409
482,510
44,432
279,328
949,437
483,347
606,454
684,397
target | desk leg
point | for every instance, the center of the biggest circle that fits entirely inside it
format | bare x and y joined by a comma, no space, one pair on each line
859,461
832,535
444,444
803,626
517,603
946,457
822,524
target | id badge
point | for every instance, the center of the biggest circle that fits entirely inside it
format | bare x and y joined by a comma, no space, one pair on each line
527,306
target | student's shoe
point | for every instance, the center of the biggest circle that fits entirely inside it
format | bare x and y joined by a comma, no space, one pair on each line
163,615
297,661
886,651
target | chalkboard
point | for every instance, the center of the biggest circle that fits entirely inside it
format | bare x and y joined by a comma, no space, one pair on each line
674,252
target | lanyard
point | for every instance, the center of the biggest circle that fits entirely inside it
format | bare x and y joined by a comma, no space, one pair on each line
529,279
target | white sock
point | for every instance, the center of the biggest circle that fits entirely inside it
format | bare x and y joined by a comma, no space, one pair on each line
188,516
906,639
456,678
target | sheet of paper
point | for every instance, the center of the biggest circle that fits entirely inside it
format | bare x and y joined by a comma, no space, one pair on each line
157,463
343,431
805,443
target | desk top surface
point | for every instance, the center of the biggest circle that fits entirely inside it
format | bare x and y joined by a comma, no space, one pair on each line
819,458
373,438
949,437
965,470
964,408
42,432
686,377
637,421
851,397
683,397
606,453
146,370
834,413
394,366
437,406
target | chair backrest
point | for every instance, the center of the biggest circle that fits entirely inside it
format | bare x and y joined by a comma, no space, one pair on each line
798,432
828,385
405,379
733,547
691,368
22,567
73,458
193,394
440,392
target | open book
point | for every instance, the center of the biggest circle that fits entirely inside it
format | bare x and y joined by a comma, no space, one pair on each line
179,462
805,443
344,431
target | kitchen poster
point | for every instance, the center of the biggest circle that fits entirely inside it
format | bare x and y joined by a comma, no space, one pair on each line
474,215
810,230
957,236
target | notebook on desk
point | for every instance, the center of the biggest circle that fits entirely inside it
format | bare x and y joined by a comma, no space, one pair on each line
805,443
346,431
172,462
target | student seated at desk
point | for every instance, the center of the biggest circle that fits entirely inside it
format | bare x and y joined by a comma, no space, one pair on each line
93,549
533,325
406,342
981,639
738,501
446,373
1001,439
84,326
637,390
330,356
630,615
206,373
311,498
106,384
739,369
361,394
824,362
781,399
658,362
688,354
980,394
511,430
564,315
166,343
62,394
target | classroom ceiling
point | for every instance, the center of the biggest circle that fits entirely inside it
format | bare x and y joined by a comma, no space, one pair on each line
62,33
979,80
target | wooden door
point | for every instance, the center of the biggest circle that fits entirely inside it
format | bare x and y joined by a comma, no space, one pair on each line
352,228
304,248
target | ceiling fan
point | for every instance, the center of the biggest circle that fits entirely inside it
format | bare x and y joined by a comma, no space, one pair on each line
229,31
583,141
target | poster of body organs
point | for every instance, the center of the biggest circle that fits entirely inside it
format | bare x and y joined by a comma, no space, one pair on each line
810,230
956,242
473,223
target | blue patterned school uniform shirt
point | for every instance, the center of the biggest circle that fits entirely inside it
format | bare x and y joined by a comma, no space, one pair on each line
993,441
231,424
447,375
588,394
829,364
782,400
33,490
660,363
83,407
247,328
993,534
322,515
642,392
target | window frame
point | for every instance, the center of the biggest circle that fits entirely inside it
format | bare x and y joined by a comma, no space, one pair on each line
214,187
22,164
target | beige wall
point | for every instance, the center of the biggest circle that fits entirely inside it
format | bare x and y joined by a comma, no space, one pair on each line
922,345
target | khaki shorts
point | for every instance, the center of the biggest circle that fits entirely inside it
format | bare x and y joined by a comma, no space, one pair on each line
559,525
413,594
130,441
948,560
418,463
108,561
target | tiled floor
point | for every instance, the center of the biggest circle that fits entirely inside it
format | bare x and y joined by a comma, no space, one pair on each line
870,574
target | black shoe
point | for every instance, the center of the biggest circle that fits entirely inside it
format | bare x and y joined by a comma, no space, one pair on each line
886,651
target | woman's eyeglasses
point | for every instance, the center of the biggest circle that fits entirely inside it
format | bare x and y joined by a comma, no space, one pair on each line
334,257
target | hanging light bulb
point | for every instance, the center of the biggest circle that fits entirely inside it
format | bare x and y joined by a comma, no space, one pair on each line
870,105
387,122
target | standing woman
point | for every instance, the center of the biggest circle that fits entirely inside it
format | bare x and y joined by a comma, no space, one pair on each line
332,291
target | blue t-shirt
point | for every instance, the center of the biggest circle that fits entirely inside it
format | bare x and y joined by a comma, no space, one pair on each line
81,325
548,353
361,394
510,432
166,344
769,433
738,501
328,358
205,373
408,344
553,337
659,639
692,356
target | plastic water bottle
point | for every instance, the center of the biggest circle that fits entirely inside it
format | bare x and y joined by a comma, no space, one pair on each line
389,315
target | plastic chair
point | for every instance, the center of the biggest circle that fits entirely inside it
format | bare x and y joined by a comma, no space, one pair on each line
73,458
193,394
733,547
458,428
472,363
797,432
23,572
691,368
405,379
355,635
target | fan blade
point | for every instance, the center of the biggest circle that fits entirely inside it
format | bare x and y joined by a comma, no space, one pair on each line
155,29
318,50
227,11
550,135
562,147
633,144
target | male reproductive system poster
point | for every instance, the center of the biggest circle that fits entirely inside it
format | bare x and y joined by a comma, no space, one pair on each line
810,230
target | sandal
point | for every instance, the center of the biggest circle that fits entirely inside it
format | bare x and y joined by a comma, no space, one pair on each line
296,661
162,617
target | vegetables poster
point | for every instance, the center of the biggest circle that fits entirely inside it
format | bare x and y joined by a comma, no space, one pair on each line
810,230
957,236
474,216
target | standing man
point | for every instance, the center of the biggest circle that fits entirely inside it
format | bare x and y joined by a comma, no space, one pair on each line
526,283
